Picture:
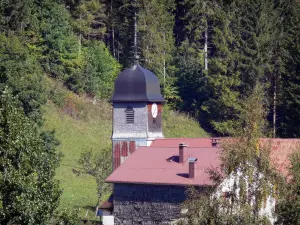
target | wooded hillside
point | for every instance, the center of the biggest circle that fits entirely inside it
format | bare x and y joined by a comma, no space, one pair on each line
207,54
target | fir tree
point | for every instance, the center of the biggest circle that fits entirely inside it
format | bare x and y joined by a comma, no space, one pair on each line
156,42
289,109
243,37
191,80
89,20
121,13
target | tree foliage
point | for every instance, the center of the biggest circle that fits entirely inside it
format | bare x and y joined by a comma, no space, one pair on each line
99,166
289,109
246,161
156,41
29,194
288,208
232,44
21,72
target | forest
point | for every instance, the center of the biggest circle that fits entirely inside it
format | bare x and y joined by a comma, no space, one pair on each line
208,55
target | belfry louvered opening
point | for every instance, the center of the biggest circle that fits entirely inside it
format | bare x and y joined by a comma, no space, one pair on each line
129,115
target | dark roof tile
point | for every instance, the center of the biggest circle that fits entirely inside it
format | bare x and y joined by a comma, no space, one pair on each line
137,85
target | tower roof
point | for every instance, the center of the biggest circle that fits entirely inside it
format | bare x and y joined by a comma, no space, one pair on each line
137,85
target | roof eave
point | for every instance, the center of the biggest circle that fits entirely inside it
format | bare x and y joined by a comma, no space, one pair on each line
156,183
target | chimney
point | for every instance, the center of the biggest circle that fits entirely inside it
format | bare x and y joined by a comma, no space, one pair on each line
215,142
182,152
192,167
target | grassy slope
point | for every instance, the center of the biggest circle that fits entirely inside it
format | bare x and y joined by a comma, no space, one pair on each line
81,126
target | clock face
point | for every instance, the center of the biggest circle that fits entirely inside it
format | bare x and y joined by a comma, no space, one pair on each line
154,110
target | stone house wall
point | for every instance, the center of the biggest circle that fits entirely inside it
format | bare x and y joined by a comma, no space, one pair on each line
136,204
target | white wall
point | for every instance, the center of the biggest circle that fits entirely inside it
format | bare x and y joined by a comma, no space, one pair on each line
108,220
228,186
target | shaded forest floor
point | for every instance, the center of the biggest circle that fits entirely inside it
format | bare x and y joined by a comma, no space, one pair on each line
83,125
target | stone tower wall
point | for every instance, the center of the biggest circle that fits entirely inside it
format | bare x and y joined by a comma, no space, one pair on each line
127,137
122,130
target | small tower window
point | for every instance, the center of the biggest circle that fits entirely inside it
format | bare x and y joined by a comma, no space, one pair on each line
129,115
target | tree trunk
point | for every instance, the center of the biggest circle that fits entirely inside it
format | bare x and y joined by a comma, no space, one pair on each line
274,107
164,61
135,37
113,41
112,31
79,43
80,37
206,48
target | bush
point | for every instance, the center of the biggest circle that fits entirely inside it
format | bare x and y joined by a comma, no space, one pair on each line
100,71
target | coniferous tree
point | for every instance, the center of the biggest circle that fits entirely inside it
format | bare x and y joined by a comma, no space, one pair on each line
89,19
242,57
224,79
16,15
289,109
121,13
191,80
209,33
156,42
193,21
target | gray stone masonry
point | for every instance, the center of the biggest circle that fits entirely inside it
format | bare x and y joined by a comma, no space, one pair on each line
147,204
136,130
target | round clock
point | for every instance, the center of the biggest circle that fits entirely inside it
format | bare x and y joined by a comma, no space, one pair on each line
154,110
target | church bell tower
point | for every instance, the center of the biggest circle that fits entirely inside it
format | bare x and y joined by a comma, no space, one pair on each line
137,112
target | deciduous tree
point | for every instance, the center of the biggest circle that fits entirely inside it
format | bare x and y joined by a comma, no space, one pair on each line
29,194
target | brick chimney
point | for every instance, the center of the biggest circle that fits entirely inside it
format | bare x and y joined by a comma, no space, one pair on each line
192,167
182,152
215,142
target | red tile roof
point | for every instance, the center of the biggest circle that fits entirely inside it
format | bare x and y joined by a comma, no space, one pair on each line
174,142
281,149
150,164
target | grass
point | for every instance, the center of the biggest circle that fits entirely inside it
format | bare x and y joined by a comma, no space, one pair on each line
76,136
177,124
83,126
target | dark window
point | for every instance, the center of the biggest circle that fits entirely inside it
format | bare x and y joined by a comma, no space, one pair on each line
226,195
129,115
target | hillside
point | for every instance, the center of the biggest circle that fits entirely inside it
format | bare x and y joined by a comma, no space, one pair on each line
83,125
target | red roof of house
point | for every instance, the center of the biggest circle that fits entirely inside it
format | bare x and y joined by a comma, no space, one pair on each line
281,149
174,142
151,165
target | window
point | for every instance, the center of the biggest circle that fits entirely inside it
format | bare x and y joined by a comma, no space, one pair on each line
226,195
129,115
